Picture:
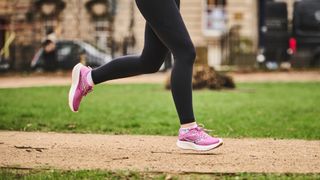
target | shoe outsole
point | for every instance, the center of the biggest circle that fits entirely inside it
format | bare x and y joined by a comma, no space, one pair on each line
193,146
74,84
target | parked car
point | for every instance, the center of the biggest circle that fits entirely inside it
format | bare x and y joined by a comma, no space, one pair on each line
305,41
70,52
275,35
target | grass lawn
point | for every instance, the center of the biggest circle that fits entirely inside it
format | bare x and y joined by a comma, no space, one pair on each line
279,110
96,174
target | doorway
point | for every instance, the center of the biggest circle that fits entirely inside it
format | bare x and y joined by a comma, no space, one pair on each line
3,24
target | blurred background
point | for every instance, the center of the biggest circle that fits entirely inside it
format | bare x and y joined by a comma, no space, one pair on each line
46,35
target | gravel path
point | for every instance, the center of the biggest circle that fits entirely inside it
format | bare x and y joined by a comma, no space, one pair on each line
154,154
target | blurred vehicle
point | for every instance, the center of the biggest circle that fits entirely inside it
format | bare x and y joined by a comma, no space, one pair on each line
4,64
70,52
305,41
275,35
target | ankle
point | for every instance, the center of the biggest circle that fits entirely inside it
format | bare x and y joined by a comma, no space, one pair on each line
89,79
188,125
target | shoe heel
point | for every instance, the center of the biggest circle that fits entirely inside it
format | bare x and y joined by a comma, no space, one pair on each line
74,84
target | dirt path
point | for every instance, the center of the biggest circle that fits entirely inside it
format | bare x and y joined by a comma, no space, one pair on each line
56,79
154,154
291,76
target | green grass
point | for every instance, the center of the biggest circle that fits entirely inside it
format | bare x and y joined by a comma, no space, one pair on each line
6,174
279,110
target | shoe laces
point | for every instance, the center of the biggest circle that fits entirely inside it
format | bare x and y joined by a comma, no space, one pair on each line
200,127
202,132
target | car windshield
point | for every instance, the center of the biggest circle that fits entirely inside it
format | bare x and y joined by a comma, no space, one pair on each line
90,48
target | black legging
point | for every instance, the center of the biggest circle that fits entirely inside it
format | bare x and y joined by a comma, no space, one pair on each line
165,31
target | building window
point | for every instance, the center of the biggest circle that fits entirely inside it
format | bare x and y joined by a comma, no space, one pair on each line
49,12
102,14
102,34
214,17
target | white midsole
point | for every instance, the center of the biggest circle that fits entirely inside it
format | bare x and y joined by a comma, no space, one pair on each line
74,84
193,146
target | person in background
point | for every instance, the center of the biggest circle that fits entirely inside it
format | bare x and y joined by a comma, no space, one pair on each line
49,51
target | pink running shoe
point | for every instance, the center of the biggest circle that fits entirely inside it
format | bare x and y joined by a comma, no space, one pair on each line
79,87
197,139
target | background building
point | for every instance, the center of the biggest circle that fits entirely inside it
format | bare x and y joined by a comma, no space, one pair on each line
116,27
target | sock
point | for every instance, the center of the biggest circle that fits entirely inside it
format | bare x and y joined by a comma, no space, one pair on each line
187,129
89,79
